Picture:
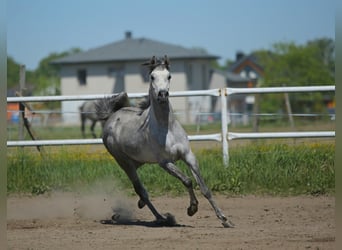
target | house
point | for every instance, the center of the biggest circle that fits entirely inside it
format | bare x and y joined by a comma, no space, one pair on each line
116,67
238,104
244,72
246,66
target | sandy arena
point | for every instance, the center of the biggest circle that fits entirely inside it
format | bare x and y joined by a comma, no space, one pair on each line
73,221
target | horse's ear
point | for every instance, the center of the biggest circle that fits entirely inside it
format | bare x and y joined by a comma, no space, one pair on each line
153,61
166,62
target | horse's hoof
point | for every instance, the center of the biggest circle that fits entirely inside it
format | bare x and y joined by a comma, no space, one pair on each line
192,210
228,224
116,217
168,221
141,204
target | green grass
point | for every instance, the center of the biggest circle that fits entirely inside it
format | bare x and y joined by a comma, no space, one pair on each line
253,169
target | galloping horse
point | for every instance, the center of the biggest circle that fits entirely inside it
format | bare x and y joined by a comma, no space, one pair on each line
151,134
88,112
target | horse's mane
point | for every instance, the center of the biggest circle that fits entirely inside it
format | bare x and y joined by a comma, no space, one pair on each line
108,105
144,104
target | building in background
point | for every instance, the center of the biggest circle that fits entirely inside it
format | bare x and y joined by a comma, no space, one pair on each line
244,72
242,105
117,67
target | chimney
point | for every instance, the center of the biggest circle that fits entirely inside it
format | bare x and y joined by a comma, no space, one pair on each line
239,55
128,34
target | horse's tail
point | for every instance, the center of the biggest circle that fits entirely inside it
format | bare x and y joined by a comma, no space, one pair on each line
81,111
107,106
81,107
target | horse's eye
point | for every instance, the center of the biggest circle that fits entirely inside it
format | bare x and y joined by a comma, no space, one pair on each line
169,77
152,78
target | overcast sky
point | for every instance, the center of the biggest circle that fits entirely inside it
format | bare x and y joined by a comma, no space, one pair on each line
36,28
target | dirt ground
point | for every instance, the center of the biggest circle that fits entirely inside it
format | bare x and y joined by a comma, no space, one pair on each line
75,221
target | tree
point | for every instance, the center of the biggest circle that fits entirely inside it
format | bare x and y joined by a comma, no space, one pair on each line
45,78
47,74
292,64
12,72
297,65
326,48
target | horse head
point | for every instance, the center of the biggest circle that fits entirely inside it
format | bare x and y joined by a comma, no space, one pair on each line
159,78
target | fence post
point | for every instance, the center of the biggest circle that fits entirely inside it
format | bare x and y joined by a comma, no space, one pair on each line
224,126
21,106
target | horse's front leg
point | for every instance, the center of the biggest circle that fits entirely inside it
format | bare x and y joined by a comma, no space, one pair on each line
191,161
174,171
167,219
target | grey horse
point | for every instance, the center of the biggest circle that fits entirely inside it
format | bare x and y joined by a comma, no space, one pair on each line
88,112
151,134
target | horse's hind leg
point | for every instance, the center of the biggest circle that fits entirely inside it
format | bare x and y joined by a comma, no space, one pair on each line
174,171
92,128
144,199
83,120
193,164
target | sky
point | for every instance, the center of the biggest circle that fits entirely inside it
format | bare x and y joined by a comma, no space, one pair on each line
36,28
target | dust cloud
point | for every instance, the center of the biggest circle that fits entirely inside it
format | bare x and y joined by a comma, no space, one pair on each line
97,202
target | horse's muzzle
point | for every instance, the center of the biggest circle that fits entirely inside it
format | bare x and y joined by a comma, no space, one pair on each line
163,96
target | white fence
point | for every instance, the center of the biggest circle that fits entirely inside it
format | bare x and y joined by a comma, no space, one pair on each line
223,137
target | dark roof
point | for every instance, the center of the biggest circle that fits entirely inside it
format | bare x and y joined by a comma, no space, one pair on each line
130,49
244,58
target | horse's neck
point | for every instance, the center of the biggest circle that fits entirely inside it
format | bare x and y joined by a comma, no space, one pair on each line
161,113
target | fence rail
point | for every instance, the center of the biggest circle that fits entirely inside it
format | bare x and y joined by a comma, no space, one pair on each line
231,91
223,137
211,137
210,92
265,135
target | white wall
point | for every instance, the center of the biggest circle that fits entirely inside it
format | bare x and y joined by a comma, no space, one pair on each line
100,81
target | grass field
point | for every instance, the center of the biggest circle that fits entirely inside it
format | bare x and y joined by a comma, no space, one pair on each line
253,169
266,166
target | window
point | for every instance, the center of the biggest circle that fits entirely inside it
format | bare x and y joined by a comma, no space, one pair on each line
252,75
243,74
144,72
204,77
111,72
189,74
82,76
